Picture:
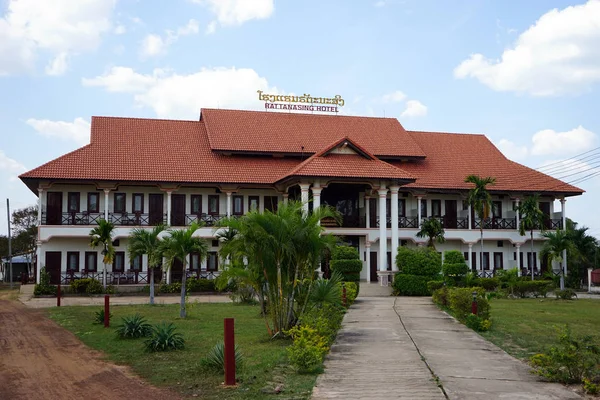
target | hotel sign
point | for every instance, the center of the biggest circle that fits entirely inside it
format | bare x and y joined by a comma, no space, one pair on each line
301,103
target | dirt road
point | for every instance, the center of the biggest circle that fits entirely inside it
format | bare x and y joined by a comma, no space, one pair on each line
40,360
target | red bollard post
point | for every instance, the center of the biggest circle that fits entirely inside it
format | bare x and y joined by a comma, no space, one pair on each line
229,352
474,304
106,310
344,298
58,295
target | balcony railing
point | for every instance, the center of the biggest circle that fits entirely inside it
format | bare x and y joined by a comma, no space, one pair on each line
72,218
203,219
348,221
496,223
112,278
452,223
137,219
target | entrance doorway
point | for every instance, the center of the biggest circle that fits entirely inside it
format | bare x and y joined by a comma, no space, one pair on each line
53,260
373,273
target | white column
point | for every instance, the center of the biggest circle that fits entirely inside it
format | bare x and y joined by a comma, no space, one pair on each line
367,213
106,192
469,217
394,201
517,201
167,271
470,257
419,216
563,210
368,251
169,207
38,256
316,192
40,195
285,198
590,280
519,266
229,204
382,233
304,196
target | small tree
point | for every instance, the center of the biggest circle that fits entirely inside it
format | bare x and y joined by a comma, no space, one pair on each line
532,217
454,267
102,235
416,267
142,241
432,229
346,260
553,249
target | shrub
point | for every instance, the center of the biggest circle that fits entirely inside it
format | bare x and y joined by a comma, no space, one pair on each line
477,323
308,350
500,294
422,261
170,287
351,292
471,279
94,287
432,286
194,285
215,359
571,361
99,316
346,260
566,294
489,284
440,297
110,289
590,387
80,285
164,338
134,327
44,287
460,299
327,291
454,267
411,285
326,321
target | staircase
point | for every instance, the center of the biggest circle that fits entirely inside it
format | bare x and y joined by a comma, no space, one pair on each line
374,290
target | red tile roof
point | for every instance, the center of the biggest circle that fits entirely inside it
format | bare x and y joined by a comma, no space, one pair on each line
269,132
451,157
151,150
361,164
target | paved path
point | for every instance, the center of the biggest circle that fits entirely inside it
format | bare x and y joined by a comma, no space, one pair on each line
377,355
119,300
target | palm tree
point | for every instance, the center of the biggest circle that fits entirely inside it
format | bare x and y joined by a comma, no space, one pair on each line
532,217
480,200
585,245
102,235
179,245
432,228
282,249
553,249
142,241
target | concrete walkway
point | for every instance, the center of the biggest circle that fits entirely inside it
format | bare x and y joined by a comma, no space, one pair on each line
393,348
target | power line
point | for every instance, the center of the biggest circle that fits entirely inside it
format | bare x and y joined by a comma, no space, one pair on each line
592,158
572,158
581,168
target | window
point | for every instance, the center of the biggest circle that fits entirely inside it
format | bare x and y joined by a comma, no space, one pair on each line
497,209
195,262
137,203
529,260
498,261
238,205
213,204
91,261
73,202
486,261
212,261
215,243
466,255
119,261
436,208
271,203
72,261
423,208
474,261
93,202
253,203
401,207
119,205
500,243
465,205
196,204
136,263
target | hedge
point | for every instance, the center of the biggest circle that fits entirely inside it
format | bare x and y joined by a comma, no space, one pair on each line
532,288
346,260
411,285
422,261
461,299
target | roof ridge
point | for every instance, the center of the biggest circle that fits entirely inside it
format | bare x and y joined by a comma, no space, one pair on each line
145,119
449,133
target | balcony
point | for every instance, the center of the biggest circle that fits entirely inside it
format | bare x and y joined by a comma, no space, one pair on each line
137,219
72,218
496,223
202,219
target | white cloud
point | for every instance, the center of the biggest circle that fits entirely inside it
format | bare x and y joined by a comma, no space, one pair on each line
236,12
511,150
550,142
154,45
31,27
393,97
557,55
10,168
77,131
414,108
171,95
59,65
211,28
120,29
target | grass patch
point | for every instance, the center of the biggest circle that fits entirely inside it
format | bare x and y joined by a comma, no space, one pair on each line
6,293
528,326
265,361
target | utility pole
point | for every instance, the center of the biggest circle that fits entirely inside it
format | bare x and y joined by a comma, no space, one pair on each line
9,243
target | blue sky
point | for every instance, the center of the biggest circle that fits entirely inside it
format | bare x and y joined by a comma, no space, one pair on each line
524,73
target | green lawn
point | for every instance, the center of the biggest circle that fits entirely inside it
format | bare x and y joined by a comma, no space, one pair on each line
265,360
526,327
